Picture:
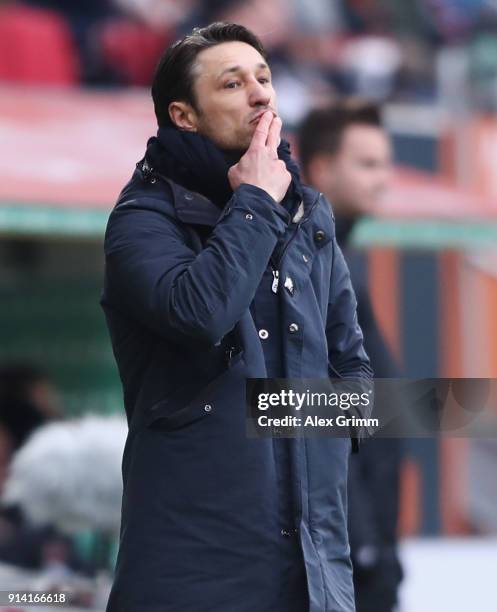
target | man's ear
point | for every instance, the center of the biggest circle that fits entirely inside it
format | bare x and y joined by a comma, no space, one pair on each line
183,116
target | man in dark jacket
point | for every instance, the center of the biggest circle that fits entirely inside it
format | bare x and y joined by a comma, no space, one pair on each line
221,266
346,153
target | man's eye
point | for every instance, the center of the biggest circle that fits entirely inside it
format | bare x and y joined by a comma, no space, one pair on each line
263,80
231,84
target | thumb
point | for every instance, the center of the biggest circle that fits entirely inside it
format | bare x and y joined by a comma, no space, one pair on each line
232,176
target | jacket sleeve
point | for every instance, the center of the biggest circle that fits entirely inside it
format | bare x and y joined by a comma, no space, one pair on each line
155,277
347,357
346,352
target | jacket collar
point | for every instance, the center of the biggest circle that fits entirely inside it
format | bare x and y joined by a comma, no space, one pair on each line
192,207
195,209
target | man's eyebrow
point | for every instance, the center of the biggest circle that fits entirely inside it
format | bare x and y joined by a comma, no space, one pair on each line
231,69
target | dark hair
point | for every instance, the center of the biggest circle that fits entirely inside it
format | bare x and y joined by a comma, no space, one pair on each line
322,130
17,377
173,79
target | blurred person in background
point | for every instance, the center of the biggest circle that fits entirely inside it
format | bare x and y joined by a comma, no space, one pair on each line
28,400
346,153
25,405
208,282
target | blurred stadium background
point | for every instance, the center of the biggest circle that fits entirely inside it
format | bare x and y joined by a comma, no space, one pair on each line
75,113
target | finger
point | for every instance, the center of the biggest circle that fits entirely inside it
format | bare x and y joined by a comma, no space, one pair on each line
261,131
273,137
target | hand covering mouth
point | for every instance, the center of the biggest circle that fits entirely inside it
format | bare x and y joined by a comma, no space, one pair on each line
260,113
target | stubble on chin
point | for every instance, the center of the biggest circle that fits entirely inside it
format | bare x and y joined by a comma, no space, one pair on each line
234,143
234,146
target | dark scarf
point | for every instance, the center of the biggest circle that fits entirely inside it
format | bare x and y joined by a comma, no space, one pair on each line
196,163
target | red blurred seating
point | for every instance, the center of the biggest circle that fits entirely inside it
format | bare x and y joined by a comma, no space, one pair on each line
132,49
36,46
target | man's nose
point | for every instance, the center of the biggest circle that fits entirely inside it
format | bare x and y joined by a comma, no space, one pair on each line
258,94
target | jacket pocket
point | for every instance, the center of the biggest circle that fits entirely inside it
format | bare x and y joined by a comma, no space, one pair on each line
188,403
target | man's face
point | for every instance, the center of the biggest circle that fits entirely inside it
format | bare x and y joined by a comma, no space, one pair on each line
358,174
232,88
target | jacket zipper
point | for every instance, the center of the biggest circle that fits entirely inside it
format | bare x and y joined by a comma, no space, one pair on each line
276,265
276,280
